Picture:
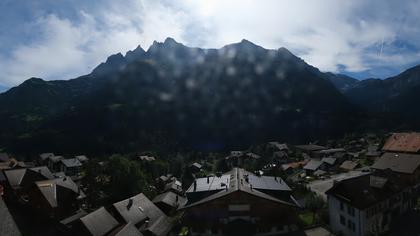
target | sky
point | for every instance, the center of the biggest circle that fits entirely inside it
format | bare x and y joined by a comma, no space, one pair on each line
63,39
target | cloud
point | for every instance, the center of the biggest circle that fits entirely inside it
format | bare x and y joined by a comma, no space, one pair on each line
337,36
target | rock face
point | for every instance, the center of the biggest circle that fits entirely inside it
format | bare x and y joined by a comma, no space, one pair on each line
176,96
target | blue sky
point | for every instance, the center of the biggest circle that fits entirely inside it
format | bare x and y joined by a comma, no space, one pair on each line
62,39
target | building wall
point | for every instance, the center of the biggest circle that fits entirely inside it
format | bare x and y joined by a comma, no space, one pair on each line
263,216
337,213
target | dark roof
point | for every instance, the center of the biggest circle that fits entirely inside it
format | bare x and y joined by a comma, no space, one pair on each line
310,147
73,162
170,198
241,180
99,222
126,230
332,151
160,227
79,214
7,224
15,176
403,142
82,158
360,193
137,209
52,189
4,157
329,160
403,163
313,164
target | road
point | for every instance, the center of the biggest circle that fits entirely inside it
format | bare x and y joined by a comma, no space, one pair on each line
321,186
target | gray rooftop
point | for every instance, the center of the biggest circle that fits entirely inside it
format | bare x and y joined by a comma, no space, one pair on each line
73,162
99,222
403,163
313,164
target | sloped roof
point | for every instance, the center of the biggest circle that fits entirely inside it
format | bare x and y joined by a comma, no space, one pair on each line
329,160
279,146
238,183
45,156
7,224
170,198
15,176
310,147
126,230
348,165
359,192
82,158
403,142
55,158
52,189
137,209
99,222
160,226
313,164
72,162
403,163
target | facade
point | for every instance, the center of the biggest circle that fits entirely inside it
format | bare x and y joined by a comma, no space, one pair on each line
368,204
240,203
71,166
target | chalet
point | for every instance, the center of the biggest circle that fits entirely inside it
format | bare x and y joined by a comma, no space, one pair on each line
373,151
289,168
142,213
168,202
54,162
367,205
71,166
329,163
240,203
163,180
20,180
174,186
405,166
195,167
403,142
55,197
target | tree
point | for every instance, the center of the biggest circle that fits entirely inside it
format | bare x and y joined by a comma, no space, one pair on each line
314,203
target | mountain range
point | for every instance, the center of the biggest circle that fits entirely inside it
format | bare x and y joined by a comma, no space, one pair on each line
174,96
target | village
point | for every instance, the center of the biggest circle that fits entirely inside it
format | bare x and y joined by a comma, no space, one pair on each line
361,185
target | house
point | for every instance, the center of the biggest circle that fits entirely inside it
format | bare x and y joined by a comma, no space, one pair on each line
240,203
403,142
405,166
20,180
278,146
55,197
174,186
367,204
44,158
82,158
71,166
195,167
349,165
289,168
329,163
142,213
312,166
97,223
373,151
168,202
330,152
54,162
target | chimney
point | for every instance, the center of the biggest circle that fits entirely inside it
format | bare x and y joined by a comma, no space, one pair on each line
176,198
195,185
208,179
130,203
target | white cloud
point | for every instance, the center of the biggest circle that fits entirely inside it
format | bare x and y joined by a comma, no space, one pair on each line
356,35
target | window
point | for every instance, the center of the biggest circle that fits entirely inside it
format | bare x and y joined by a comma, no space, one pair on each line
351,225
350,210
341,206
342,220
